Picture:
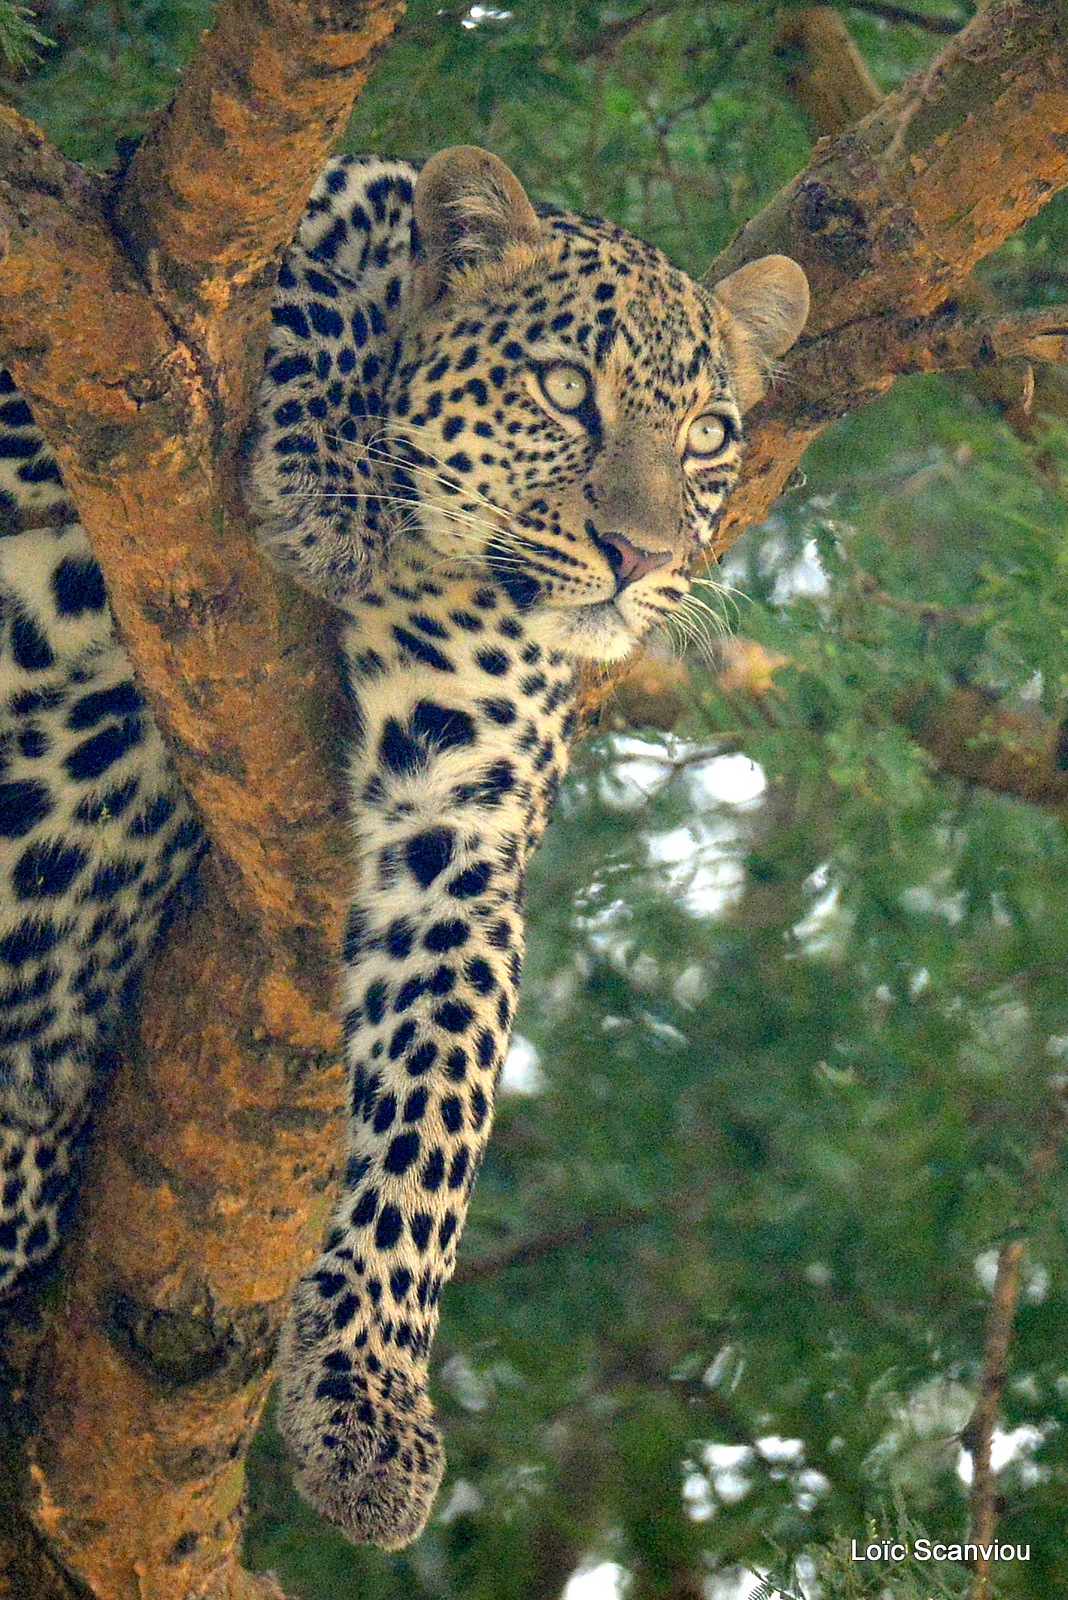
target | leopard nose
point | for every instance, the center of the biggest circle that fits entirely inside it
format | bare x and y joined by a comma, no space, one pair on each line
627,561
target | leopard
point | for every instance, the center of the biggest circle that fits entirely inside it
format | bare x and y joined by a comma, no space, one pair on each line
96,841
497,437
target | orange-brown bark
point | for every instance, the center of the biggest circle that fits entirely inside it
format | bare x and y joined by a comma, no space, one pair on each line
841,369
209,1179
824,69
137,348
977,1436
234,666
227,657
216,189
830,82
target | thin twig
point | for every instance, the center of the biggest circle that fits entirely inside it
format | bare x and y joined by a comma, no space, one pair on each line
530,1247
978,1435
918,19
607,40
1044,1156
686,1585
929,612
1023,279
533,1246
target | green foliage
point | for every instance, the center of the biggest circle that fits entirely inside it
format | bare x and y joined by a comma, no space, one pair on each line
678,128
113,63
20,41
794,1050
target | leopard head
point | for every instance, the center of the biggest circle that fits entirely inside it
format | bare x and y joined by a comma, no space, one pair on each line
568,405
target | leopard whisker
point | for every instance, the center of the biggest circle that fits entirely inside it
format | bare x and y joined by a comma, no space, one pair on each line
487,531
695,622
728,593
498,534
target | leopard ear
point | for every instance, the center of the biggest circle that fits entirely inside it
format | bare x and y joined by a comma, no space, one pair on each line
767,306
469,208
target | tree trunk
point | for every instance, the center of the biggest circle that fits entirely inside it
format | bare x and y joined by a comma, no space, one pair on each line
208,1186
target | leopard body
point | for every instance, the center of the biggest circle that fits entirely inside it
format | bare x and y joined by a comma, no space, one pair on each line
497,439
95,837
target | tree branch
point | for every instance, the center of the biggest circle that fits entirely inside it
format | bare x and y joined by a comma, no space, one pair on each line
203,1200
603,45
979,1434
928,612
918,19
230,662
216,189
977,1437
970,734
903,205
841,369
975,738
144,404
889,218
204,1190
530,1247
824,70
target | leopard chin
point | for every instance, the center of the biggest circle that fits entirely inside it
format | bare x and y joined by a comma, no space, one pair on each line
597,632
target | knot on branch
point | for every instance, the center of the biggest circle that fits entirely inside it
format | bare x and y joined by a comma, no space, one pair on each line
184,1344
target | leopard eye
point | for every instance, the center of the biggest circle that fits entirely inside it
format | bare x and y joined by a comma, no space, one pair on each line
708,434
565,387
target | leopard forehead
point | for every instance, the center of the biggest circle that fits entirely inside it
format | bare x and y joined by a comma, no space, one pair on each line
589,293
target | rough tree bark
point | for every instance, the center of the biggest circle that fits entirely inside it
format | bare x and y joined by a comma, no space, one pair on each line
892,216
134,323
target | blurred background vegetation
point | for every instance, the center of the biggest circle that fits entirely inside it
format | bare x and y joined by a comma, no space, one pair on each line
796,1012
